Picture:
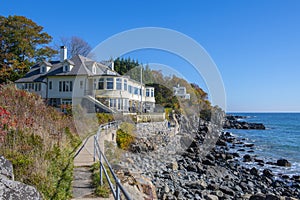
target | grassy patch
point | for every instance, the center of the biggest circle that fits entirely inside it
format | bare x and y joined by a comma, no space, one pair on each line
101,190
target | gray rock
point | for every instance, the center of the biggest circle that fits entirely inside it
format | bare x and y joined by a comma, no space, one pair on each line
192,167
268,173
221,142
17,191
6,169
283,163
173,166
227,190
254,171
238,188
211,197
213,187
272,197
203,184
257,197
247,158
208,162
219,193
14,190
166,189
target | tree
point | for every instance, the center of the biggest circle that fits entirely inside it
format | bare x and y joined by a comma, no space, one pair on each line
23,42
75,45
132,68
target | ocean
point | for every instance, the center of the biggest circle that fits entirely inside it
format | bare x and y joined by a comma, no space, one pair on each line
281,139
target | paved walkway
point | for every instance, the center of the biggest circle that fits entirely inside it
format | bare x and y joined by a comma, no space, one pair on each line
82,182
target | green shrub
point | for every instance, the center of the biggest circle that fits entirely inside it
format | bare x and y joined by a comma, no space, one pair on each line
104,118
168,111
125,135
205,114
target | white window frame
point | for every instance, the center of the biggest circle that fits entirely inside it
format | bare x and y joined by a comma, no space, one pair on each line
108,82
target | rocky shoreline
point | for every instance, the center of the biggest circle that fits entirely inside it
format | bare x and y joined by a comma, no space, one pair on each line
204,167
236,122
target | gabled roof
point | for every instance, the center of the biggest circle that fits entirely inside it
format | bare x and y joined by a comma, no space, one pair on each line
81,66
46,63
78,69
33,75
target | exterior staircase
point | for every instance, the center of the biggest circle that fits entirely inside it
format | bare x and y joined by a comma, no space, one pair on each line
92,105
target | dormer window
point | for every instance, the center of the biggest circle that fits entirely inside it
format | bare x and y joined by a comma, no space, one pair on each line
43,69
66,68
68,65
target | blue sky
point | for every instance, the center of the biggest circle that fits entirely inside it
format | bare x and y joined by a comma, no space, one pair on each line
254,43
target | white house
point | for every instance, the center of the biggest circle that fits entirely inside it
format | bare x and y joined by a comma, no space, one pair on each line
81,80
180,91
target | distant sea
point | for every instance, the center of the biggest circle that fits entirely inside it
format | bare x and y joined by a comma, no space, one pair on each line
281,139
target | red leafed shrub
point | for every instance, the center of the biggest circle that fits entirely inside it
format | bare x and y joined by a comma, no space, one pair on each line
5,123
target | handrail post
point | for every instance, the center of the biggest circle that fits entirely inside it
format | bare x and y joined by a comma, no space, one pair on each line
101,169
94,150
117,189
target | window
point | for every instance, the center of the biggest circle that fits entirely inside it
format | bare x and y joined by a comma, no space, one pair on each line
109,83
119,104
71,86
130,89
119,83
81,84
147,93
65,86
101,84
43,69
136,90
30,86
125,84
60,86
50,85
112,103
38,87
152,92
66,68
126,104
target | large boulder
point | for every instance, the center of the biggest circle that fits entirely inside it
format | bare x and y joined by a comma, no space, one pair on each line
17,191
10,189
283,163
6,169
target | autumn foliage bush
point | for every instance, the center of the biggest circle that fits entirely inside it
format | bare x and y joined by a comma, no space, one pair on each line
39,141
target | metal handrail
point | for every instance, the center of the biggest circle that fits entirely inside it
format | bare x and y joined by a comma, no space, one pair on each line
97,151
